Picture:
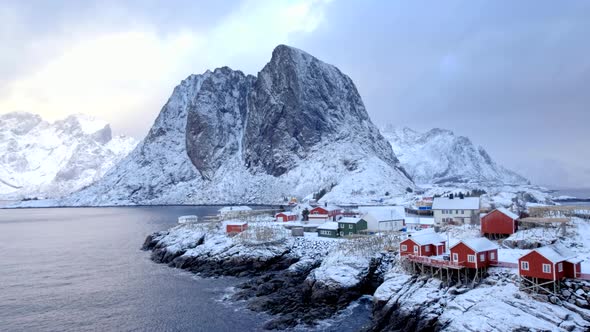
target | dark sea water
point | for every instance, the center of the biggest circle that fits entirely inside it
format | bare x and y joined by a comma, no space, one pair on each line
82,270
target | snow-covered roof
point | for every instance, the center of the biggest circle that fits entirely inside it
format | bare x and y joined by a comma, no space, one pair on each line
385,213
235,208
287,213
478,244
420,221
328,208
556,253
349,220
507,212
467,203
330,225
427,238
236,223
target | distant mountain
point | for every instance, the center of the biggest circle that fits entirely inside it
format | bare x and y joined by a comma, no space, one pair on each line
440,157
48,160
297,128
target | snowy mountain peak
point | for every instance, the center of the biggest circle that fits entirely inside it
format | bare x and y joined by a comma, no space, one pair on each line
297,128
42,159
441,157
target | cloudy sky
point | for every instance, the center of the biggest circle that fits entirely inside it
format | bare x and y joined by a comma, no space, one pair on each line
514,76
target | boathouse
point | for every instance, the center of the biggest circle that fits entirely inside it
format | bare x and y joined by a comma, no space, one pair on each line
475,253
499,222
324,213
552,262
286,216
429,244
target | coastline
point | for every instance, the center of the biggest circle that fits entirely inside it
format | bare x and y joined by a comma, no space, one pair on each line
301,281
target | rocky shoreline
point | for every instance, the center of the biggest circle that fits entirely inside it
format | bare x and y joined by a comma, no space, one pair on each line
302,281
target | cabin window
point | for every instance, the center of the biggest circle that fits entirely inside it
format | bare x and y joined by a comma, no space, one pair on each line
341,225
560,267
546,268
482,257
350,226
492,255
462,211
404,247
471,258
415,249
524,265
427,248
455,257
456,211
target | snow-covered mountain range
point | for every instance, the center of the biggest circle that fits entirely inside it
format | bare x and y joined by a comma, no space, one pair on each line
299,127
39,159
440,157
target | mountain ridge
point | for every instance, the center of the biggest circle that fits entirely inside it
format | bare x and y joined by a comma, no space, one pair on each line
47,160
226,137
438,156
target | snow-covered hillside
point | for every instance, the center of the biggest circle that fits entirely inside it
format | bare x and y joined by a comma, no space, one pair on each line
41,159
440,157
225,137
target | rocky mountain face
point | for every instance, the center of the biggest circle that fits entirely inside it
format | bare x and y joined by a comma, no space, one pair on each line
47,160
299,127
440,157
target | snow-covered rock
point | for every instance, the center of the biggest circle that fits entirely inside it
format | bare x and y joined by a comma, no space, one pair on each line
440,157
225,137
47,160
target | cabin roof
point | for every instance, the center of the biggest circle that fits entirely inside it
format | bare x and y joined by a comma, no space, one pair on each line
555,253
328,208
349,220
506,212
467,203
478,244
287,213
236,223
427,238
420,221
330,225
385,213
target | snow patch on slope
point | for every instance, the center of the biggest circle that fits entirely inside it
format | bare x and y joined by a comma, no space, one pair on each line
42,159
440,157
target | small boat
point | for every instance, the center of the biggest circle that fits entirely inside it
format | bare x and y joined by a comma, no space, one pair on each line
187,219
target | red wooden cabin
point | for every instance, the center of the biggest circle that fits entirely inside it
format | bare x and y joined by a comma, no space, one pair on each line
286,216
549,263
236,227
430,244
475,253
500,221
324,213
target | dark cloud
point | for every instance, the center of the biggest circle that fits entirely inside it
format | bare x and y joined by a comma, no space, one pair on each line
512,75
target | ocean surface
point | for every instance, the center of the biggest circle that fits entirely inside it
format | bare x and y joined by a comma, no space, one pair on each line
82,270
583,193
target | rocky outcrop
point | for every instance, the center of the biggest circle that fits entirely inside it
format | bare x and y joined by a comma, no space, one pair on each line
216,119
299,102
288,278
